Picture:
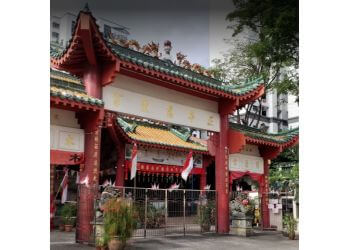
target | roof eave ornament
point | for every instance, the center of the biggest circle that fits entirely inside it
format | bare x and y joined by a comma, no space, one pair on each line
86,8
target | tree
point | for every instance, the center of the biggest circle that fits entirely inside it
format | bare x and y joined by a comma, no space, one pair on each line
271,52
284,172
276,24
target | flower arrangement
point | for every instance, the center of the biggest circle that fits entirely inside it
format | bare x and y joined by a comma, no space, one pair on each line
242,206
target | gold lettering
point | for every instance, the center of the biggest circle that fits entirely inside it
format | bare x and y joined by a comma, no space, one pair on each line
170,111
210,121
191,116
117,99
69,140
144,105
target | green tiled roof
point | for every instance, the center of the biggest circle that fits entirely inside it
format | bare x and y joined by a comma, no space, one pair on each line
254,133
67,86
166,67
149,132
169,68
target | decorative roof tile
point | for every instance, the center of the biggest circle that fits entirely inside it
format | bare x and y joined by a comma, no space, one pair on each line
156,134
254,133
169,68
67,86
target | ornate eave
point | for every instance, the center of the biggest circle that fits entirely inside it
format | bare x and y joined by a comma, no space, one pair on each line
152,135
88,47
255,136
68,91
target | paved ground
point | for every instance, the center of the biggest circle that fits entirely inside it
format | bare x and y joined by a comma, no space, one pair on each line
261,241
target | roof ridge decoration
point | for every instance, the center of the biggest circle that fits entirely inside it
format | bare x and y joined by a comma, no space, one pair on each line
182,136
157,135
126,126
150,64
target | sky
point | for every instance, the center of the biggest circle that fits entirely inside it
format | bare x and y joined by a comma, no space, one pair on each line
184,23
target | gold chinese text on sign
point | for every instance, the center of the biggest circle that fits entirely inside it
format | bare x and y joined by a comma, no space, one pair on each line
144,105
210,121
117,99
69,140
191,116
170,111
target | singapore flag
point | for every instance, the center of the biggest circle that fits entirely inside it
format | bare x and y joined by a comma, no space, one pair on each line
187,166
133,162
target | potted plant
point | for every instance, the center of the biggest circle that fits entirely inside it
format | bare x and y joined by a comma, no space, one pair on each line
291,225
206,215
119,222
242,214
101,242
68,213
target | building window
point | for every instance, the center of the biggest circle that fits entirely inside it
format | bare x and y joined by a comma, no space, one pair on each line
263,98
55,25
55,37
73,26
279,114
264,111
107,31
121,37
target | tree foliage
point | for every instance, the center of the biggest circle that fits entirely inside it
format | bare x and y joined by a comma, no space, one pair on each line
277,24
271,52
284,172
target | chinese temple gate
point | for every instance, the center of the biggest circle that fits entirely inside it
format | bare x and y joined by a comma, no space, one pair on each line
101,88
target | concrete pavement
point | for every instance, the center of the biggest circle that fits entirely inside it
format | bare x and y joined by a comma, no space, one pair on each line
260,241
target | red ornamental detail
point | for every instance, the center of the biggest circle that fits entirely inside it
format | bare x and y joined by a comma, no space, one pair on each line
161,169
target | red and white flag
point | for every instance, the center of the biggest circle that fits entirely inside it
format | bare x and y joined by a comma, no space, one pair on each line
85,181
187,166
154,187
174,186
105,183
133,162
64,185
77,179
207,187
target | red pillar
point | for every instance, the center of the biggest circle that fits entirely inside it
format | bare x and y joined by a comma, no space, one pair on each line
222,178
92,81
119,181
203,180
264,189
91,123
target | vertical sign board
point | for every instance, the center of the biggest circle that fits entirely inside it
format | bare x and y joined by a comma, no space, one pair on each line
135,97
244,163
66,139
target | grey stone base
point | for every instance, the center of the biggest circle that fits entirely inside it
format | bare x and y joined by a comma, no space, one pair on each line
241,227
245,232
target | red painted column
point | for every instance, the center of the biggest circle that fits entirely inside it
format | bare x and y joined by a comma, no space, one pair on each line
91,123
265,196
222,177
119,180
203,180
92,81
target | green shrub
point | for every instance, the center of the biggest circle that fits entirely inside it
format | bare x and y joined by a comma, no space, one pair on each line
119,219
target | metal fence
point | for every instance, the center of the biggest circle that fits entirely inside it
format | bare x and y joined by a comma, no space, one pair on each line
164,212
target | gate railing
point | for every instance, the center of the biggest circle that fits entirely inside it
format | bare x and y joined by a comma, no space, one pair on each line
163,212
